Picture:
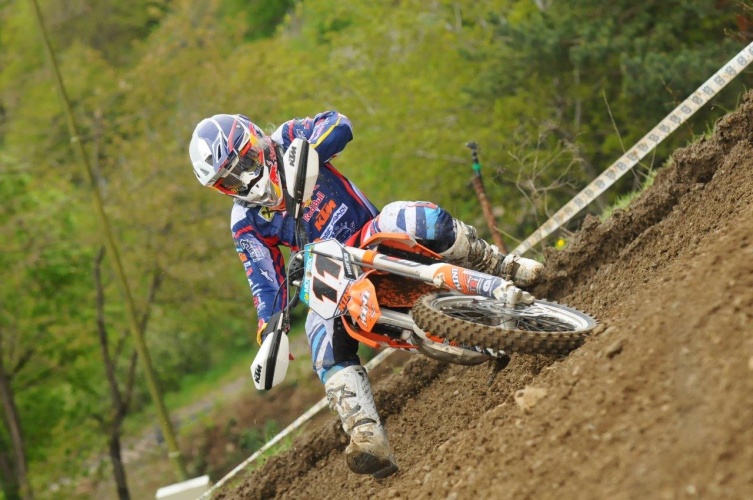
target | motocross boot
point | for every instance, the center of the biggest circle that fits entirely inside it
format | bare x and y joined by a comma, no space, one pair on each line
471,251
349,394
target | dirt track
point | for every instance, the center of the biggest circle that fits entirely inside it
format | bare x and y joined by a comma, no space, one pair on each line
657,404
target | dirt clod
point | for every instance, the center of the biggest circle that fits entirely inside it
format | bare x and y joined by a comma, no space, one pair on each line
528,397
614,349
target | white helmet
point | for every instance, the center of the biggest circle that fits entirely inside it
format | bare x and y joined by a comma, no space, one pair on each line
233,156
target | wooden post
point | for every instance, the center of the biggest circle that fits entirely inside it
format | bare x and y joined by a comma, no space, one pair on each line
478,186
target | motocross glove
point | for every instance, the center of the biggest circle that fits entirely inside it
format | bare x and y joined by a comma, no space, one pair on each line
267,327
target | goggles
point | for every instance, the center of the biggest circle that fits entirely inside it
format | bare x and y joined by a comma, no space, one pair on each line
239,171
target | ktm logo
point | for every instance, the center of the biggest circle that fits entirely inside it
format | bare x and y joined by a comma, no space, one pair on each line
324,214
364,307
293,152
257,373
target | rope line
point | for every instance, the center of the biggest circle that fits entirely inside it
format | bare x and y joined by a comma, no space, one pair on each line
669,124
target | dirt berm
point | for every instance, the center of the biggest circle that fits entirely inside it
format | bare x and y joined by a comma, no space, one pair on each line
657,404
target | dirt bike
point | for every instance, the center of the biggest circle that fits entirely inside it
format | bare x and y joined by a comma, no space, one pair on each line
393,292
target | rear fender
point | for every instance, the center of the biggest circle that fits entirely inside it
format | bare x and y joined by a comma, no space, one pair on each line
400,241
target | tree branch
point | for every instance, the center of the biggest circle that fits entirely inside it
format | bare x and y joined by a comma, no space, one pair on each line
102,331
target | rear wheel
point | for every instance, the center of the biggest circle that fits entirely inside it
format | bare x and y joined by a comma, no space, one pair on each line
539,328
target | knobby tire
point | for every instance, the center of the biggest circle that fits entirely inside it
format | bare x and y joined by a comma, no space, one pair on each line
540,328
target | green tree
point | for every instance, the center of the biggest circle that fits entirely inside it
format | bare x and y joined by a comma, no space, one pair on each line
593,77
35,341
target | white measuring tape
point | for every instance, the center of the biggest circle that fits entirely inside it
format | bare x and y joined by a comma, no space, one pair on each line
290,428
677,117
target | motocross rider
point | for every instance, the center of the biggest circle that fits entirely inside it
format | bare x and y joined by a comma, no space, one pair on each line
230,154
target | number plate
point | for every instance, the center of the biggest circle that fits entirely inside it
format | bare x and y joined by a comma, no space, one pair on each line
328,275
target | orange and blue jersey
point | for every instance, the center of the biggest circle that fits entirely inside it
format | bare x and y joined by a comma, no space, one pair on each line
337,210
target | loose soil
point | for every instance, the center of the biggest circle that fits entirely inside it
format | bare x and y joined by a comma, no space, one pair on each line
658,403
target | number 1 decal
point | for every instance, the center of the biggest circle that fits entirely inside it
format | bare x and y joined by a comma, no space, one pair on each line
326,265
322,291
